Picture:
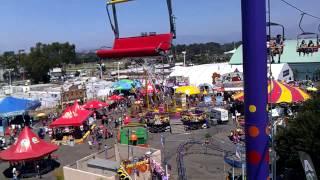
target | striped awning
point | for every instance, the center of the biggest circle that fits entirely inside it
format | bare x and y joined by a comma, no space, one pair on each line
280,93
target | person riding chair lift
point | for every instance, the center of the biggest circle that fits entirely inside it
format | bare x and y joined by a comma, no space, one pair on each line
303,47
275,45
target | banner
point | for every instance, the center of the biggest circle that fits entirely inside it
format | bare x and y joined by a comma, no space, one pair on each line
308,166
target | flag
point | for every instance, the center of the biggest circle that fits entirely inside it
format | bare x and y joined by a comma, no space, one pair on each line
308,166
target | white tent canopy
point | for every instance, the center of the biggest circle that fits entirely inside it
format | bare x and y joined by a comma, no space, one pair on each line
202,74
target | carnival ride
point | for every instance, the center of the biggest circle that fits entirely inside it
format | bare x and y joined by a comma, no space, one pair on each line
307,47
255,70
194,119
133,134
146,45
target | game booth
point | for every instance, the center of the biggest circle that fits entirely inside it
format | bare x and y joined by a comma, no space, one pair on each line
73,126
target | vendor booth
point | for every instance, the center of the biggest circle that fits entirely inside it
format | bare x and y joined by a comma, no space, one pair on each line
11,107
73,124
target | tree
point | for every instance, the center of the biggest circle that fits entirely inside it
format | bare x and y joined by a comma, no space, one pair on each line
44,57
301,134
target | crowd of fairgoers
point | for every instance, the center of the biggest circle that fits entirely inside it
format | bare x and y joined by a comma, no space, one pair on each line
129,108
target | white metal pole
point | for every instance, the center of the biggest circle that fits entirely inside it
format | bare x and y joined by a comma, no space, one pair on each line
224,167
184,59
118,70
10,83
100,71
233,170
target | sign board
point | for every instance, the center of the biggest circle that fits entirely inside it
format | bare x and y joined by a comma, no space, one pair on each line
74,93
308,166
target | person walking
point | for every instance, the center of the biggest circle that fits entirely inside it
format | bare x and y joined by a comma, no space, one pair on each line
90,141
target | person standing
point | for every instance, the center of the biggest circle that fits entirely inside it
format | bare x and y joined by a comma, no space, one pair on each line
14,173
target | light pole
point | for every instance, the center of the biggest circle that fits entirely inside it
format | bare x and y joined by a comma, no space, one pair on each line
184,57
100,68
10,82
118,68
20,51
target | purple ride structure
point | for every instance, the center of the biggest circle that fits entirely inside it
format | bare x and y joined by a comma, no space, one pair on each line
255,88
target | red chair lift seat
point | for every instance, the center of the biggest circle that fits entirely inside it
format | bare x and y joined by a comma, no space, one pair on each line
141,46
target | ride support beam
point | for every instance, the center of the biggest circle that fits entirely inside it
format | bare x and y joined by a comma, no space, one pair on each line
117,1
255,87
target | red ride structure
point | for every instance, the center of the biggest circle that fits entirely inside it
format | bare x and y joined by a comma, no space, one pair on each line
148,44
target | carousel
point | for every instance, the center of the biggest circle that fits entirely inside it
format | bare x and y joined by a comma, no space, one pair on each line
194,119
30,156
157,122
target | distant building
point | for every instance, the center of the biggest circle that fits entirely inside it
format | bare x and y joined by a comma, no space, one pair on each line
304,67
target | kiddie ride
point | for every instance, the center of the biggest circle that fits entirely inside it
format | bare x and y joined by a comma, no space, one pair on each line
133,134
194,119
157,122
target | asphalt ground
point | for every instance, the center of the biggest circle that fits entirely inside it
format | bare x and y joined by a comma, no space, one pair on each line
199,165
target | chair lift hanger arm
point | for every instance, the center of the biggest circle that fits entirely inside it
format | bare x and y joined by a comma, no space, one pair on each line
115,26
172,19
300,22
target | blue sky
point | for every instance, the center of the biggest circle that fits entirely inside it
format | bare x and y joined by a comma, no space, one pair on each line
84,22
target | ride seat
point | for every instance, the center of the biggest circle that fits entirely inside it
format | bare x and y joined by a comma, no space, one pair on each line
141,46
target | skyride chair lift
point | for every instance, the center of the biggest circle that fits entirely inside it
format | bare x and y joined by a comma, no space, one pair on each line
146,45
307,47
276,45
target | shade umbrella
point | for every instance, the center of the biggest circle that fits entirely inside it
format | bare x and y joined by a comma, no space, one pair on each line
115,98
122,86
126,81
188,90
95,104
312,89
137,84
27,147
281,93
40,115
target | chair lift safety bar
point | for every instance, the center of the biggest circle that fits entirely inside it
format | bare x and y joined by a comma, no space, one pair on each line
151,44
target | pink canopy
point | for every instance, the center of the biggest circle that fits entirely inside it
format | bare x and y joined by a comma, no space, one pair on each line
27,147
95,104
72,116
115,98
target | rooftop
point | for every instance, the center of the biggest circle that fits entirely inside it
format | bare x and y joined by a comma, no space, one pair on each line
289,55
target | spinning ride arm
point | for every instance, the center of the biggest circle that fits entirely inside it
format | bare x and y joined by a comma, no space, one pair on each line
171,19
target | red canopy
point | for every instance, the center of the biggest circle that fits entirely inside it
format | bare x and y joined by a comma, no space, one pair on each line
72,116
95,104
28,146
115,98
140,46
150,89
